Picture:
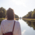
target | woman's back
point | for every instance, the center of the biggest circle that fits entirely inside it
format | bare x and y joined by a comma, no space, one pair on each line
7,26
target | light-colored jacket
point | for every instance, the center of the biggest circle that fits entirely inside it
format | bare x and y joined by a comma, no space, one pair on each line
7,26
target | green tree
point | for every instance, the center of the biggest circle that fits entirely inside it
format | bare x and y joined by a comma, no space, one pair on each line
29,14
2,12
16,16
33,14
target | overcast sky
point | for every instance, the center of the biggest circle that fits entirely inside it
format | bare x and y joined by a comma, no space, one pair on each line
21,7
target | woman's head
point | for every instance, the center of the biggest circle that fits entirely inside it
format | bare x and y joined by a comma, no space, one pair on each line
10,14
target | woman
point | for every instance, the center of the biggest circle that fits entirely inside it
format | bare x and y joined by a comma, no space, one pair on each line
10,26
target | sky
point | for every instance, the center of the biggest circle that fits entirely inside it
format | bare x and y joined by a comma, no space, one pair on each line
20,7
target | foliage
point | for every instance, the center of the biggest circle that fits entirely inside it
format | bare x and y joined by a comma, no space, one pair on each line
16,16
30,14
2,12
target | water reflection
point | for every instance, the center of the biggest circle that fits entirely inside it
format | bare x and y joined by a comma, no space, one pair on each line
31,24
26,29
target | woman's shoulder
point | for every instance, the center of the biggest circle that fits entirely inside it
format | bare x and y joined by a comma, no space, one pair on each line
17,22
3,21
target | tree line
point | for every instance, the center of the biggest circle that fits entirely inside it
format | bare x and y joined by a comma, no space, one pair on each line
3,13
30,14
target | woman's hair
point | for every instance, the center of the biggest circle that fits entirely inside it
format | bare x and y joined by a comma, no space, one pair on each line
10,14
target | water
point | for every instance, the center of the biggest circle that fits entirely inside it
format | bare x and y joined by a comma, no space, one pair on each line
26,29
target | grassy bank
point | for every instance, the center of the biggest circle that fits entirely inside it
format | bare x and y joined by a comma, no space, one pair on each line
1,19
28,19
